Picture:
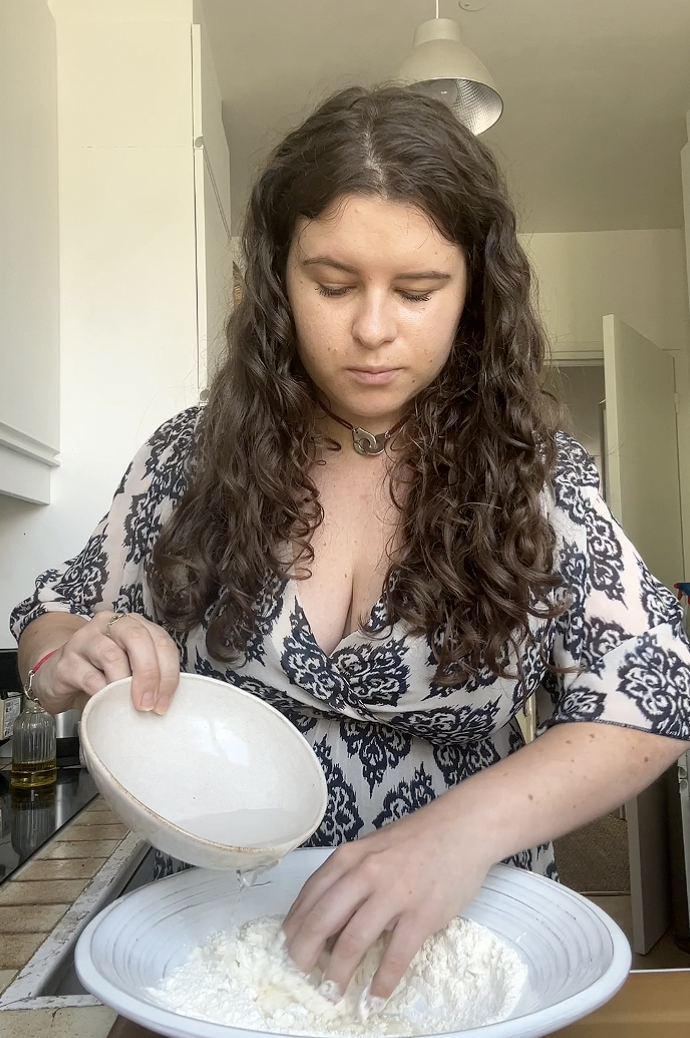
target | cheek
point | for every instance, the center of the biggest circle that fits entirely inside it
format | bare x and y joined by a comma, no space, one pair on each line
315,341
319,329
436,337
302,316
314,336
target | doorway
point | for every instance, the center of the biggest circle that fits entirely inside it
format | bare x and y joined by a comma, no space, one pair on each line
583,390
595,860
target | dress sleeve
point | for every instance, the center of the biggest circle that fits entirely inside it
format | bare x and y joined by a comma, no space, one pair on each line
623,631
109,572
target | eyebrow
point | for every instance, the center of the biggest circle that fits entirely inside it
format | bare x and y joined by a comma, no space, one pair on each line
416,275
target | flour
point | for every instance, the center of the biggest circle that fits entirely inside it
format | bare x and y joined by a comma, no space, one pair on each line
462,977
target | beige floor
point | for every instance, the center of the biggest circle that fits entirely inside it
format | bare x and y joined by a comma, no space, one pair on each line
664,955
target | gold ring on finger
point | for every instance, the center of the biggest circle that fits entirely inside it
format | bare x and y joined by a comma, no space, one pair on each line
113,620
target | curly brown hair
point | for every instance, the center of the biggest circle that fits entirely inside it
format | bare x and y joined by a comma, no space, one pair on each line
475,553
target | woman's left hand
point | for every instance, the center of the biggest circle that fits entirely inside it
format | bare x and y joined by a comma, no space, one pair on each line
414,875
411,877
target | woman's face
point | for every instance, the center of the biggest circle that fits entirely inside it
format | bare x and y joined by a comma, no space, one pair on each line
376,294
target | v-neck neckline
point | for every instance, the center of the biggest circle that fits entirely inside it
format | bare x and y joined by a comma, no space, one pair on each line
294,585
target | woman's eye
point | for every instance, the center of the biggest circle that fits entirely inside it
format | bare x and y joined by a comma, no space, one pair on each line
409,297
324,290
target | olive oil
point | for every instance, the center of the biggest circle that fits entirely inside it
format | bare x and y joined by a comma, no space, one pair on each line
33,774
34,763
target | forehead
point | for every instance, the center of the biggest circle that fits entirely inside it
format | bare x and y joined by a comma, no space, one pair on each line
364,229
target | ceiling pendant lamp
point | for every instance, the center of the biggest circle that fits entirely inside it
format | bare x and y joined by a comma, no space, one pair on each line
443,67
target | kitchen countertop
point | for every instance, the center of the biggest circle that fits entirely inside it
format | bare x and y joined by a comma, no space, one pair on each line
29,818
43,905
50,898
650,1005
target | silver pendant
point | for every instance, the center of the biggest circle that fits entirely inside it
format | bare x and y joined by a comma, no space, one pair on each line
366,443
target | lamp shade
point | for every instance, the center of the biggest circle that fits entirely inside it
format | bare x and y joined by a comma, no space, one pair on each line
443,67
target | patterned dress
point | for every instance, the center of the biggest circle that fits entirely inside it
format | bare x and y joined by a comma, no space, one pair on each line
388,736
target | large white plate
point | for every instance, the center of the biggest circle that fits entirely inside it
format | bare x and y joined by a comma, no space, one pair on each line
576,955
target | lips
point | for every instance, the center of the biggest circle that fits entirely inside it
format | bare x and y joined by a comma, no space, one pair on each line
373,376
372,371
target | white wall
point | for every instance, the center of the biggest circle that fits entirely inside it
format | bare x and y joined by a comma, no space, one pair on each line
641,277
212,181
128,334
29,345
683,364
637,275
685,174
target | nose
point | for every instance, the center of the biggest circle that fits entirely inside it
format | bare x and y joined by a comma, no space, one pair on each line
374,320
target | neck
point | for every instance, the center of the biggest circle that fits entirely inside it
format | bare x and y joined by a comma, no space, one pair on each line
366,437
334,431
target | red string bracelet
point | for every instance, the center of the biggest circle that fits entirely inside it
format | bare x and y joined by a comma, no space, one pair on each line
42,661
28,690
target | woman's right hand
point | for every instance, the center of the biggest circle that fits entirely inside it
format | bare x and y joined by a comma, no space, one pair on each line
91,659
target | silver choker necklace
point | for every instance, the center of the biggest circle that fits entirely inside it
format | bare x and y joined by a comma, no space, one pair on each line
363,441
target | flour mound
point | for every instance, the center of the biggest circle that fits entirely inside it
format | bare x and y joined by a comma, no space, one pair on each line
462,977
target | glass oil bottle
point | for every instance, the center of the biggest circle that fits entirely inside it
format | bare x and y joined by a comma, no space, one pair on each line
34,761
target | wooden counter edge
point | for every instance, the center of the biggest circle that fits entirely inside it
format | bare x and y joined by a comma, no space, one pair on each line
651,1004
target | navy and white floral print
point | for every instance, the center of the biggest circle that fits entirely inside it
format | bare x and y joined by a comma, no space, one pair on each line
378,748
389,737
406,797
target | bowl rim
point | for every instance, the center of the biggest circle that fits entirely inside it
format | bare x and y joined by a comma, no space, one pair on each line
260,851
527,1025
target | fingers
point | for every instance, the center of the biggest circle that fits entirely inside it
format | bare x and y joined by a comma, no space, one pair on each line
360,933
133,646
355,905
72,673
103,657
308,934
169,668
152,658
380,885
342,859
407,938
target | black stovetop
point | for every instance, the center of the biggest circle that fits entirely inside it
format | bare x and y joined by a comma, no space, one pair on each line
27,821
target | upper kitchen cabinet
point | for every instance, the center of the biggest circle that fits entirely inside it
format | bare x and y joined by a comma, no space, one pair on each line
112,117
638,275
212,206
29,262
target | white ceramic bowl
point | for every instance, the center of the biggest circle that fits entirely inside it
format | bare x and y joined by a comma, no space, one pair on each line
221,780
576,956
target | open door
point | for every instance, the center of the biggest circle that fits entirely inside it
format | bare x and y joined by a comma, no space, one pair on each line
643,492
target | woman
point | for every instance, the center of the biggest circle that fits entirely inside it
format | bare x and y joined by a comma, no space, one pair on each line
375,525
